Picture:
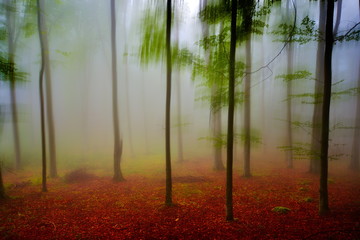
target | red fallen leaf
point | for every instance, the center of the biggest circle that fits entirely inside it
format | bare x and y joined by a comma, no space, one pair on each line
101,209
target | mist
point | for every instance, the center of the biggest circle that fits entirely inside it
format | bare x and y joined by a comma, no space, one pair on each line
79,39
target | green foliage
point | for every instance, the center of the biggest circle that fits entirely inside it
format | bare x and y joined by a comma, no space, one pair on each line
302,34
216,13
221,140
298,75
152,48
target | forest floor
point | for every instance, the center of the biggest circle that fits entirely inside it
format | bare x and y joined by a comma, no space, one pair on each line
94,207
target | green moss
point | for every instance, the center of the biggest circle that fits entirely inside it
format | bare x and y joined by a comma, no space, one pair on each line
281,210
308,199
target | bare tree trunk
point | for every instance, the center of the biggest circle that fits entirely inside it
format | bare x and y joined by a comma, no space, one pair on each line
41,92
247,110
355,156
215,111
127,90
230,133
49,104
2,188
317,114
338,16
178,95
117,140
168,196
10,24
289,142
329,41
180,141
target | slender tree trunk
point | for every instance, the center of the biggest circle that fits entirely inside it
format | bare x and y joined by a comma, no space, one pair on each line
178,95
128,112
41,93
215,111
289,142
168,196
48,93
329,41
10,7
127,90
180,141
216,128
247,110
146,131
338,16
117,139
355,156
317,113
230,133
2,188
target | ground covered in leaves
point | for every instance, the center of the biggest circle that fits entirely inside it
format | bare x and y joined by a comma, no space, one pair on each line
273,204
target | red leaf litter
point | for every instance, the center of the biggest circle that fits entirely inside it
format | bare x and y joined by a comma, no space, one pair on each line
101,209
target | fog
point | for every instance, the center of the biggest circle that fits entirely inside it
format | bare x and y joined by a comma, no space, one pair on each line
80,53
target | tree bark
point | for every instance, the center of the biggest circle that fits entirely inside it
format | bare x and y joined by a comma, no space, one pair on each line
247,109
117,139
230,132
168,195
10,24
329,41
317,112
355,156
2,188
41,93
290,63
48,93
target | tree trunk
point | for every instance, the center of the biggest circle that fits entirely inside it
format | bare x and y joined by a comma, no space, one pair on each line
215,112
355,156
289,142
127,90
2,188
49,104
317,113
338,16
329,41
178,95
41,92
180,141
168,195
10,24
230,133
216,129
117,140
247,109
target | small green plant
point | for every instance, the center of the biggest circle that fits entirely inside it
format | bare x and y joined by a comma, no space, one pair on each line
308,199
281,210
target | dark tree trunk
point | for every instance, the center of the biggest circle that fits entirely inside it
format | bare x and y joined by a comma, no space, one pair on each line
168,195
48,93
247,110
41,26
317,113
230,132
10,24
2,188
329,41
117,140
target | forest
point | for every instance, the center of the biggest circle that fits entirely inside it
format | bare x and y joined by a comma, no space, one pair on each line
179,119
